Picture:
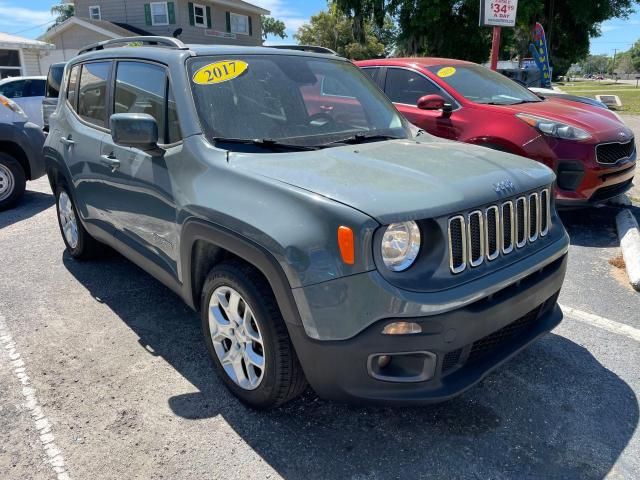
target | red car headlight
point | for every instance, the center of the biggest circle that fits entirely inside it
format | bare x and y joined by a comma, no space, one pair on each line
554,128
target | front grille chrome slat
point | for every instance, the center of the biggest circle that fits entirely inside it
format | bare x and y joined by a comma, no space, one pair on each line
522,221
492,232
480,236
475,236
545,212
457,244
534,217
508,227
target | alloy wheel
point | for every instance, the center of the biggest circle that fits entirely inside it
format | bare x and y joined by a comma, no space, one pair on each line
68,220
7,182
236,338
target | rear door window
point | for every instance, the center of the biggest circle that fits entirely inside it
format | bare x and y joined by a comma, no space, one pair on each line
405,86
92,97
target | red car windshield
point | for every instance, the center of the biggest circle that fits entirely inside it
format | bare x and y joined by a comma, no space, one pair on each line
481,85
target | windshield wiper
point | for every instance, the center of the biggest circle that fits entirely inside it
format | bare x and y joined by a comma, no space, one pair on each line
264,142
363,138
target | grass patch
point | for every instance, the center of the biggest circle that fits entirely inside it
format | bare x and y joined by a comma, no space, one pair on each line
629,95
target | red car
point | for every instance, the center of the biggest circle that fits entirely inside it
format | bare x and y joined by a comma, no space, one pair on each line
591,150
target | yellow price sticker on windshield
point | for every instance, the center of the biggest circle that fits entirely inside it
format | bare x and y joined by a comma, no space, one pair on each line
219,72
446,72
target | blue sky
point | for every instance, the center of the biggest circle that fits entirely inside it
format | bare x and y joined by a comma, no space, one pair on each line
30,18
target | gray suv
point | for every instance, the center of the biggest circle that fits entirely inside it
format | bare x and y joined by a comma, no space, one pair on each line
322,238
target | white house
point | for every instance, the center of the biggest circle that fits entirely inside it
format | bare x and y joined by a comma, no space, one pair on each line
22,56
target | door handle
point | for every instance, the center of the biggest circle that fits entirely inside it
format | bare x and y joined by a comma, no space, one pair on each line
110,161
67,140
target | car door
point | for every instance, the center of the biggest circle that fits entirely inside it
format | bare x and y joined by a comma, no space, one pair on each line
78,130
404,87
142,205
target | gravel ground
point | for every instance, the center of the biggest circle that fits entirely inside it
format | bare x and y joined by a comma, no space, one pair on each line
118,368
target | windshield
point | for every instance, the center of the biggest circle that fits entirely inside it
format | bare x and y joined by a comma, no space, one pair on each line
290,99
481,85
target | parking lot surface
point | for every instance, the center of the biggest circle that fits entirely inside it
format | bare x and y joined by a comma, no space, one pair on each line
103,374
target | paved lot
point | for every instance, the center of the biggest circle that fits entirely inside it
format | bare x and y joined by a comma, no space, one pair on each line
633,122
115,376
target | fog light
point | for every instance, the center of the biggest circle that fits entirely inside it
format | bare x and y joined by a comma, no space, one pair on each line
402,328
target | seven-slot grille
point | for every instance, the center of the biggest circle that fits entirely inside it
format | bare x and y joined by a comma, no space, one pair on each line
480,235
611,153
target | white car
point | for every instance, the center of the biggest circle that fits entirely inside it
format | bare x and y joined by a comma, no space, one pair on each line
28,92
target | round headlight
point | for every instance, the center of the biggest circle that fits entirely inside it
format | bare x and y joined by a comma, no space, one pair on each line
400,245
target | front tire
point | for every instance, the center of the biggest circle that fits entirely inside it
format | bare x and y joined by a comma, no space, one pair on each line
12,181
247,338
77,240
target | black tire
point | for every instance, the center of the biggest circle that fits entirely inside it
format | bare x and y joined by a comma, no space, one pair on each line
13,179
283,378
86,247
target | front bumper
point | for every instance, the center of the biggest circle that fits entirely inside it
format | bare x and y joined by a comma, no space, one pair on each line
459,347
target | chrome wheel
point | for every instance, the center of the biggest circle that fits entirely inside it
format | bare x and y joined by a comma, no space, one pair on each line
68,220
236,338
7,182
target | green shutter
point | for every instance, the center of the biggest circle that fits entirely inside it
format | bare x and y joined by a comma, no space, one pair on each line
191,19
228,22
250,28
208,17
147,14
172,13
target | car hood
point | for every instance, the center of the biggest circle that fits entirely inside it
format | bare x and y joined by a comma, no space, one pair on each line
401,179
601,123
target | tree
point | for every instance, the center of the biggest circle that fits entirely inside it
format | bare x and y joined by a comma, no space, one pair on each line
272,26
62,11
634,54
449,28
333,29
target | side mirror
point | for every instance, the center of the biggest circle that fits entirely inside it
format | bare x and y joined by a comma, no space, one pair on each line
435,102
138,130
431,102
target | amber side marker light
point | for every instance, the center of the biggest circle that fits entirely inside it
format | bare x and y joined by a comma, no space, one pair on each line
346,244
401,328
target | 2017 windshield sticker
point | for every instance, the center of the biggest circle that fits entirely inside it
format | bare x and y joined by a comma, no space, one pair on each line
219,72
446,72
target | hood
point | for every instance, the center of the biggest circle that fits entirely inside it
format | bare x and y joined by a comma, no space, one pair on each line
400,179
601,123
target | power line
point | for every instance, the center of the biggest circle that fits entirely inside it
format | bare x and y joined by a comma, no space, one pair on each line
31,28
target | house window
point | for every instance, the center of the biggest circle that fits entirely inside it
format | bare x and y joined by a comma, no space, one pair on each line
239,24
94,13
199,18
10,63
159,13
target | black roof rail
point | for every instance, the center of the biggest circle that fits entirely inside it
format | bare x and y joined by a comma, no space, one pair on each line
148,40
306,48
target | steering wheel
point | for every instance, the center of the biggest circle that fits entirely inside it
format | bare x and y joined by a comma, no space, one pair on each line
321,119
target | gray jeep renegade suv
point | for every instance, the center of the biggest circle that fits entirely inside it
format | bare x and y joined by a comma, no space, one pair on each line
321,237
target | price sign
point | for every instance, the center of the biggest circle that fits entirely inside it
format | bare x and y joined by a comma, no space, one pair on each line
498,13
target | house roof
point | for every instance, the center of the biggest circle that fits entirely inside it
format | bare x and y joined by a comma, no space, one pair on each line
103,27
243,5
13,41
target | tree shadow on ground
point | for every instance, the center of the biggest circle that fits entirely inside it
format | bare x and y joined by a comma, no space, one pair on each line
554,411
31,204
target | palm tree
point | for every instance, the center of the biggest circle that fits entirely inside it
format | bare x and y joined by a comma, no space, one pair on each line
63,11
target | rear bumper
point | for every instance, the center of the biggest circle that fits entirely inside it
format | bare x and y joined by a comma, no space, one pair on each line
455,350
